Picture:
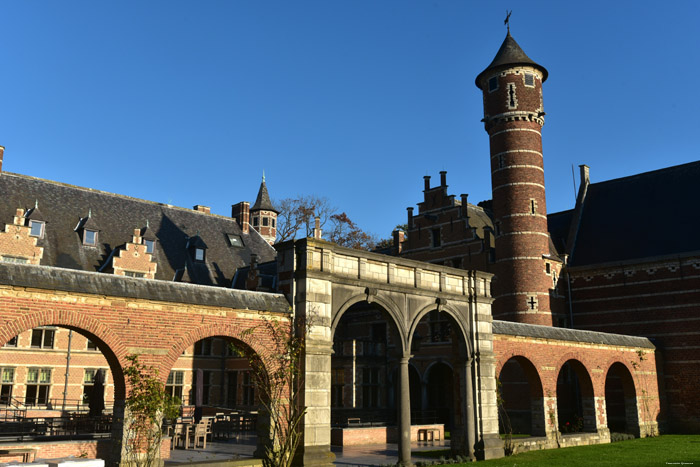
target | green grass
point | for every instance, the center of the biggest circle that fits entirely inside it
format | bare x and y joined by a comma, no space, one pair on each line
662,451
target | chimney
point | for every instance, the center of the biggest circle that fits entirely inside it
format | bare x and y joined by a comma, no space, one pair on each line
426,179
204,209
317,227
399,237
19,217
443,178
585,174
410,218
2,153
465,210
241,212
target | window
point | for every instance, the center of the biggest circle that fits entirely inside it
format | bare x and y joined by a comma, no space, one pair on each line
12,342
89,237
436,238
532,303
134,274
337,386
89,382
36,229
370,387
266,221
203,347
150,246
248,389
273,223
529,80
6,383
173,386
501,161
235,240
256,221
533,206
512,101
199,254
13,259
43,338
493,84
440,327
548,268
91,345
38,385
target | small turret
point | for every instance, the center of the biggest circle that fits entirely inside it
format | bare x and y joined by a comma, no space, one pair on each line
263,215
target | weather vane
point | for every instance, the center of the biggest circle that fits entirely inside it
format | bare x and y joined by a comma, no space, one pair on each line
507,20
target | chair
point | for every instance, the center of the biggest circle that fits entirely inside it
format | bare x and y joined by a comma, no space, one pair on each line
180,436
199,437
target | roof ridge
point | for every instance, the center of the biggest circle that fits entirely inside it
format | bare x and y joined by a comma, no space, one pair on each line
644,174
116,195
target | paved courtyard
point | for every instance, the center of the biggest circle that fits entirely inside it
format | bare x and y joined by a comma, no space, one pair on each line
356,456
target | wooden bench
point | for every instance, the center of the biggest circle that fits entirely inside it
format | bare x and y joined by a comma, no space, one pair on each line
429,434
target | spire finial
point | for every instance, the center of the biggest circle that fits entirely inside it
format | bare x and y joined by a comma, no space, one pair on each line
263,175
507,20
147,226
90,212
36,204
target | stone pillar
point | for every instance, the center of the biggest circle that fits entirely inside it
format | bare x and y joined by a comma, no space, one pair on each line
470,425
118,434
404,413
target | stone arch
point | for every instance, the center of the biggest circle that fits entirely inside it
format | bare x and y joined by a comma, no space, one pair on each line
575,396
253,340
387,305
104,338
621,399
456,319
525,416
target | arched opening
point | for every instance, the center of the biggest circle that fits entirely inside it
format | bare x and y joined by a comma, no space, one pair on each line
521,398
217,379
575,402
438,379
366,347
60,383
621,400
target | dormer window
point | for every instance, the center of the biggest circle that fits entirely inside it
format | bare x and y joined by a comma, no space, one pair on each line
150,245
199,254
36,229
493,84
529,80
89,237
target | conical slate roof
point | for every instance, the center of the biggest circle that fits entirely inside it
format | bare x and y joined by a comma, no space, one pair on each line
263,200
510,54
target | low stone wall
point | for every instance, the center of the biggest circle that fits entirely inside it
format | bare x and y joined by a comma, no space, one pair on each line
91,448
536,443
357,436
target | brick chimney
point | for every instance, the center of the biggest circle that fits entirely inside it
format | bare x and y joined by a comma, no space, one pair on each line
241,212
410,217
2,153
200,208
465,209
317,228
399,237
426,180
443,178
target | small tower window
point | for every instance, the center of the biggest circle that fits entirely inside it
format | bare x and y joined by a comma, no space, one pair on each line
512,101
501,161
256,221
533,206
274,223
493,84
548,268
529,80
532,303
266,221
89,237
36,229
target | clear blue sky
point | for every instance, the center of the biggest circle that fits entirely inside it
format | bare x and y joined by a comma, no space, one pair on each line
188,102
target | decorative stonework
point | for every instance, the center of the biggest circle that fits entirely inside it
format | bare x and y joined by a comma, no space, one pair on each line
16,245
133,259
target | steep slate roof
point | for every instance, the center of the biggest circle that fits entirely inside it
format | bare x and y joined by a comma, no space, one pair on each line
646,215
116,216
263,200
558,226
510,54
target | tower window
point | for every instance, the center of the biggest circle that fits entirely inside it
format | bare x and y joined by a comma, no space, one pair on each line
532,303
36,229
512,101
548,268
256,221
533,206
493,84
273,223
529,79
266,221
501,161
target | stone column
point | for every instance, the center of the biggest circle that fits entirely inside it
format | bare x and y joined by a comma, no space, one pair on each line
404,413
469,425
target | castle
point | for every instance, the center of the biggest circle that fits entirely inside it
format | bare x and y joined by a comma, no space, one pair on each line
585,316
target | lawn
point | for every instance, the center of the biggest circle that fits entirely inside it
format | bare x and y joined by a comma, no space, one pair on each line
661,451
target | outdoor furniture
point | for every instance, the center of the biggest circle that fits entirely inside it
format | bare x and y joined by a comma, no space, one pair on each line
429,434
28,454
180,436
199,436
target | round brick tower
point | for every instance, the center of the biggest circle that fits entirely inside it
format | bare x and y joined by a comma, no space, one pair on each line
513,118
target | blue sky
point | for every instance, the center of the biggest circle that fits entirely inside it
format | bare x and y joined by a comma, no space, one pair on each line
187,102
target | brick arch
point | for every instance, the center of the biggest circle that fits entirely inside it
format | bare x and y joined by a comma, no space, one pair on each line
255,340
387,305
627,402
586,388
106,340
529,368
452,313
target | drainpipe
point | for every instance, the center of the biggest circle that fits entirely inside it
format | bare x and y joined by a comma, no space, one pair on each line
65,384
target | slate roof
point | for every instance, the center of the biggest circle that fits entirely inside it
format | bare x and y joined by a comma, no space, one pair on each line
263,202
558,226
646,215
64,206
510,54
